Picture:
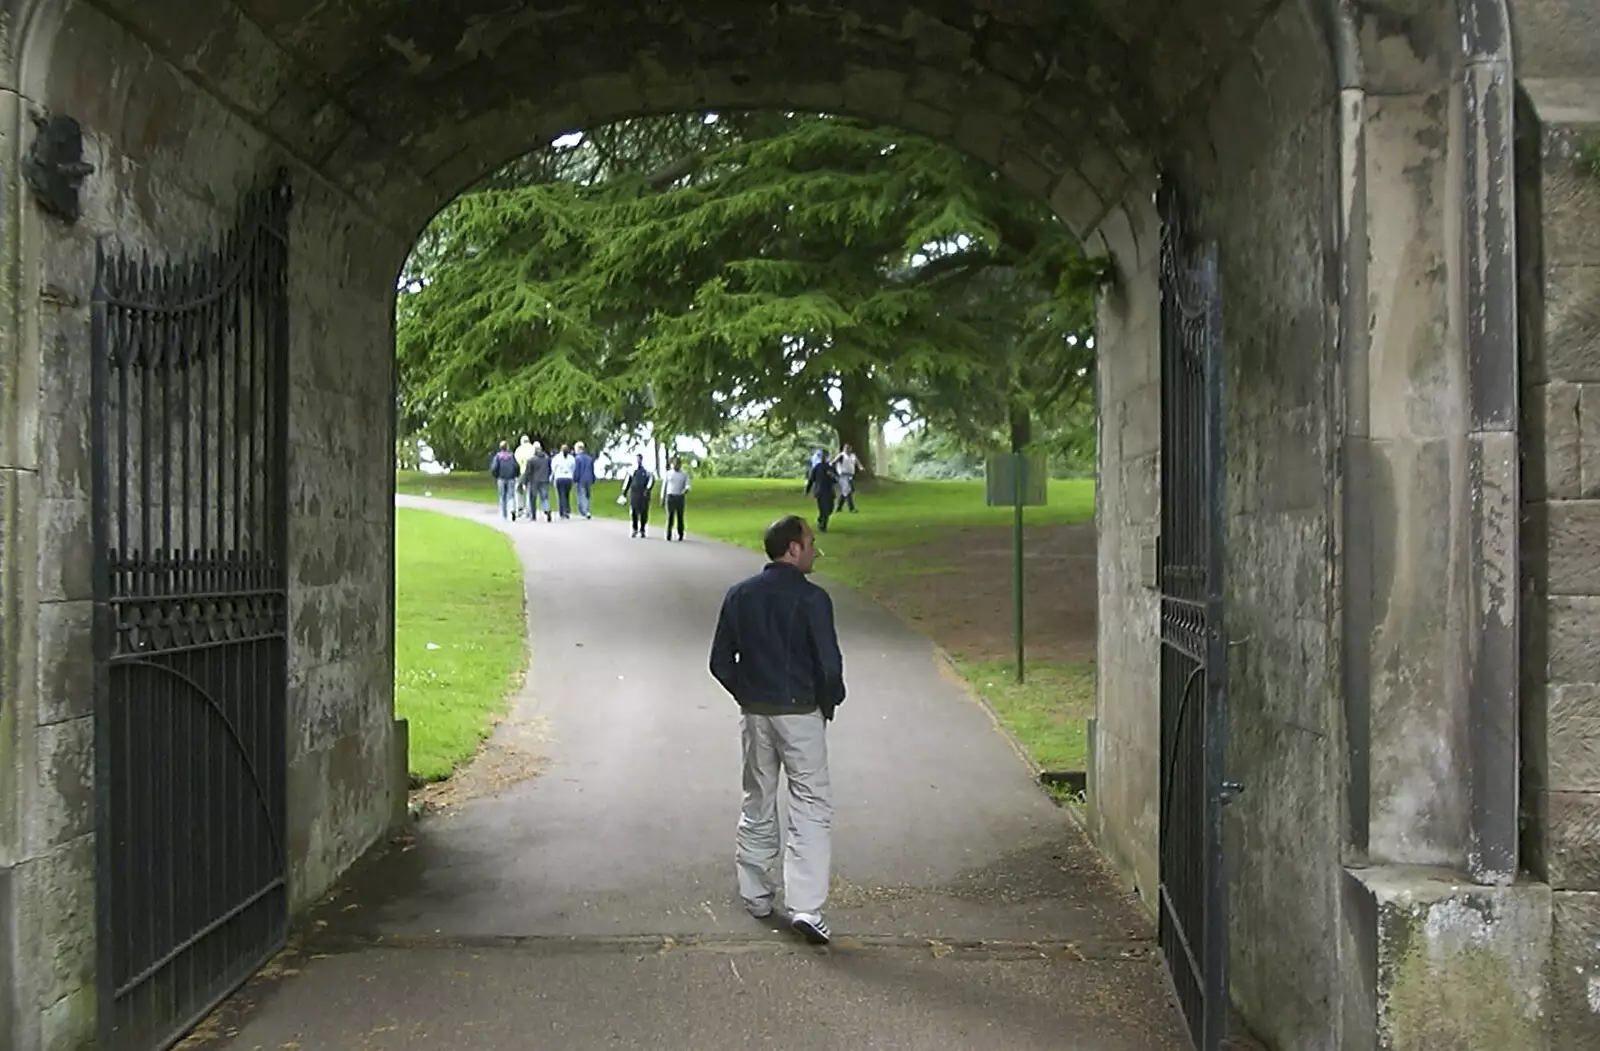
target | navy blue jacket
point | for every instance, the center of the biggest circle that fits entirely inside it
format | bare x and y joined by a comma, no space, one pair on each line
775,645
583,469
503,465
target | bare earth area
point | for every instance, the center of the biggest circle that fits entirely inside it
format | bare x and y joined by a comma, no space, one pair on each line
962,599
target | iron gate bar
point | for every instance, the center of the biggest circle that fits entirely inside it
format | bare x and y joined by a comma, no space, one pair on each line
1192,898
189,403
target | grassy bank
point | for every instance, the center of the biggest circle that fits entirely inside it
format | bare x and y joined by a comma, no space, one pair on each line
459,640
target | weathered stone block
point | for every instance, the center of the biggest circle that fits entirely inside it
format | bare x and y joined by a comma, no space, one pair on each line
63,807
242,64
1572,840
1458,967
1588,440
925,119
1574,639
69,1023
1574,555
64,439
1575,971
1141,492
66,679
66,555
1138,423
1572,322
1280,834
976,133
55,929
1028,173
1572,738
1555,38
1571,214
1552,438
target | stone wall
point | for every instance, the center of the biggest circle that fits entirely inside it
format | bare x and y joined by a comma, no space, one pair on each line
170,166
341,537
1559,215
1128,518
1265,185
1262,174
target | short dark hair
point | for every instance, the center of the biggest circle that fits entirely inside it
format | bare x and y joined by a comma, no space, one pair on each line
790,529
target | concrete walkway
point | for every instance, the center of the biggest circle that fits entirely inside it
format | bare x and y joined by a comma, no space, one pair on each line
594,906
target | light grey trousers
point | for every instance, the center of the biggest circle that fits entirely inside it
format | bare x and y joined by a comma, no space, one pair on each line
796,746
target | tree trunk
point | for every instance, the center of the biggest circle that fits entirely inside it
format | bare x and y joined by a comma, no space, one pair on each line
1021,427
880,445
853,424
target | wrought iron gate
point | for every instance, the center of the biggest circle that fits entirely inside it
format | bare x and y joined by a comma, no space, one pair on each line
1193,895
189,418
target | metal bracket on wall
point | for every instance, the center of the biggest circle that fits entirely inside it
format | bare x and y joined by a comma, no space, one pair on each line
1231,790
1150,561
54,168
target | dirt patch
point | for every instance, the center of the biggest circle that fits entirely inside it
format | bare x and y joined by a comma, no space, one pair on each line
966,606
514,753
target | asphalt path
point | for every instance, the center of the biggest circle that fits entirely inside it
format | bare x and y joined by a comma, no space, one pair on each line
593,903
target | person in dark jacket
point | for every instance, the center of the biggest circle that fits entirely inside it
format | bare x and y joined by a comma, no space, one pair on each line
823,484
503,469
776,653
536,478
582,478
637,486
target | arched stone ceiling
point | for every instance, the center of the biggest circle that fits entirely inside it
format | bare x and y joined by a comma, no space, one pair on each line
404,102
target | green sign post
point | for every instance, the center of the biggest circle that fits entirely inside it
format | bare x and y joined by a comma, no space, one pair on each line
1020,480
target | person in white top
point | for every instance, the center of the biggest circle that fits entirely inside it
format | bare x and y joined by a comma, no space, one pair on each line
563,466
845,464
674,486
524,453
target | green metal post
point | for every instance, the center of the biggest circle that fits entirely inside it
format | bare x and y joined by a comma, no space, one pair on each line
1018,477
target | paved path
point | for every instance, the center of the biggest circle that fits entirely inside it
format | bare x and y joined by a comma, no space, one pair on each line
594,906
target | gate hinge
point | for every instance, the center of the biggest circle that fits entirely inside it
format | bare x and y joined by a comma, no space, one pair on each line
1231,790
54,168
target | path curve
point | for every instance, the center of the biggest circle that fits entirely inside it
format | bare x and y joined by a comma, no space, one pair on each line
623,842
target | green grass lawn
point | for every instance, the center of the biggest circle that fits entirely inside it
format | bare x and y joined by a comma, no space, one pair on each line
895,516
1046,712
459,641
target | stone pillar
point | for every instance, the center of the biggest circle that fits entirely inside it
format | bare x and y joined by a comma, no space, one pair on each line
1559,181
47,853
1449,947
1127,732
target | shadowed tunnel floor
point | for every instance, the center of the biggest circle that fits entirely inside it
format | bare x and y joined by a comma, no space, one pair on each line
593,905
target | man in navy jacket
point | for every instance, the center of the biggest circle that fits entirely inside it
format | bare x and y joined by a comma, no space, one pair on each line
777,653
582,477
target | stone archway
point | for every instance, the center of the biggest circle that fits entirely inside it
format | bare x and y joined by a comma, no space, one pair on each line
1351,161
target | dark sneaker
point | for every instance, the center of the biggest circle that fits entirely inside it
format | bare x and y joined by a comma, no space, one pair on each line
812,927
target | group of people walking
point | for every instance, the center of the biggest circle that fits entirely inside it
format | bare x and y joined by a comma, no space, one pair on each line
524,477
832,481
638,485
775,650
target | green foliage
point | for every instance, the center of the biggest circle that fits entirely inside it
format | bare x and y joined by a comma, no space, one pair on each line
928,453
755,450
685,271
1589,153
